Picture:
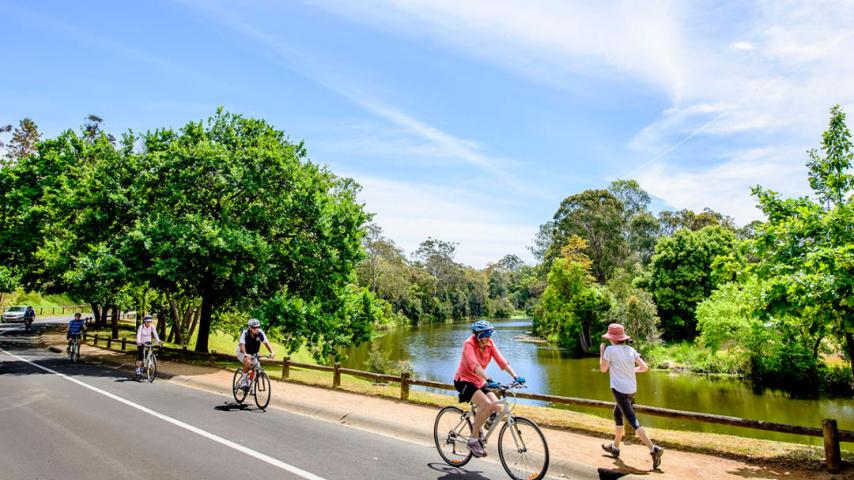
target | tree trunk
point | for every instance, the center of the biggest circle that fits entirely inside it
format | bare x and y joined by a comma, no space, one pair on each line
197,312
114,324
105,310
161,323
96,311
204,325
174,334
849,339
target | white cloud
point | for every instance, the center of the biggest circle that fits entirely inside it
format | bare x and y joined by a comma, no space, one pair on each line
410,212
742,45
725,187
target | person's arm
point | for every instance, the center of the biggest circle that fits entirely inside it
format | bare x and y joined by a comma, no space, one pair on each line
604,364
241,344
267,344
641,365
154,334
139,334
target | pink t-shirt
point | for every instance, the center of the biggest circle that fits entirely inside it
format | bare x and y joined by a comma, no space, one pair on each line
473,355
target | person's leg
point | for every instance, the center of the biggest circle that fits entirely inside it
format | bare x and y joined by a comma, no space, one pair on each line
140,352
618,421
484,408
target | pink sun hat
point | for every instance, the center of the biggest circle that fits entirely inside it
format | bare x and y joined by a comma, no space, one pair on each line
616,332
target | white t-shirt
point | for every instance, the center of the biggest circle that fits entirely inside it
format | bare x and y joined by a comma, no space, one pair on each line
621,359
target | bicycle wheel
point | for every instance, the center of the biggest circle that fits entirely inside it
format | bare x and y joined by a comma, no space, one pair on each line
523,450
151,367
239,393
263,392
75,351
451,433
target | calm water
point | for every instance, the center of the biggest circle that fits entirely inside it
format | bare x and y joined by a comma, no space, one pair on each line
435,352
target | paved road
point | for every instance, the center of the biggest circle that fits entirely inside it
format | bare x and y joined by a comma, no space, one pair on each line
88,421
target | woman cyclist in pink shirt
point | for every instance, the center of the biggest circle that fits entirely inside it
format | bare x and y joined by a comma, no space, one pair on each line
144,335
472,382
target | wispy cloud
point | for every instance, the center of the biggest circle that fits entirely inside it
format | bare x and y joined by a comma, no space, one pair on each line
313,68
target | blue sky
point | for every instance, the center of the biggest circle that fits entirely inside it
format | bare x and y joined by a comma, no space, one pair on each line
464,121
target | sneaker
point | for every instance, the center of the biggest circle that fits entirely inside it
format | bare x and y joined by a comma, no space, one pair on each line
610,448
656,454
476,448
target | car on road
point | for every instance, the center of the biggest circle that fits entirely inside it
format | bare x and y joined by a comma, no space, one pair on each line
16,313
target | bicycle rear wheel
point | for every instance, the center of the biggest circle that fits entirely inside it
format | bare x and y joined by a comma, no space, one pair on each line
236,389
263,391
523,450
451,432
151,367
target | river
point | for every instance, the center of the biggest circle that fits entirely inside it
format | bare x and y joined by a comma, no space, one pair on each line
434,351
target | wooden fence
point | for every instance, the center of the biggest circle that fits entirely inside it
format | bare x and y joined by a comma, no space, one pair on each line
828,431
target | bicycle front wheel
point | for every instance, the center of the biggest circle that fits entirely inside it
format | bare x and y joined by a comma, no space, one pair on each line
523,449
75,351
151,368
451,432
237,390
262,390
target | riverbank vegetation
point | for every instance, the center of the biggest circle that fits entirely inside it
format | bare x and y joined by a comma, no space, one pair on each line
772,300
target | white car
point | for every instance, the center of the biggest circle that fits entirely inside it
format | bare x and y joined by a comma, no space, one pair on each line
16,313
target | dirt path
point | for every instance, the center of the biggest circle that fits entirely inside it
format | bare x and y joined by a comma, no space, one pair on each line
574,455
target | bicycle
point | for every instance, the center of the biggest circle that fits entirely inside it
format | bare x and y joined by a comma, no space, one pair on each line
522,447
73,349
259,383
149,364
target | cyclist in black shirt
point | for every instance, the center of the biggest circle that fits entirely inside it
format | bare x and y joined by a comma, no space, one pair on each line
250,344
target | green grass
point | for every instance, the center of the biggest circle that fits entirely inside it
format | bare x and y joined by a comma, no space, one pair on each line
690,357
37,300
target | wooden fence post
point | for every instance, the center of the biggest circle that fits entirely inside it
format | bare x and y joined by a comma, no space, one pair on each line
63,310
84,336
109,342
96,340
832,456
124,343
41,311
286,368
404,385
336,375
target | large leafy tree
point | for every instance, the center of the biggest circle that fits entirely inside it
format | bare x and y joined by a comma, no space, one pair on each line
806,249
236,214
680,275
597,217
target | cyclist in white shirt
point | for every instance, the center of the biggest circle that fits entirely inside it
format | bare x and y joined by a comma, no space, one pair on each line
144,335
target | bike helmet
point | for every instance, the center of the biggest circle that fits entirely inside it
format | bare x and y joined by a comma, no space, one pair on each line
253,322
482,328
147,318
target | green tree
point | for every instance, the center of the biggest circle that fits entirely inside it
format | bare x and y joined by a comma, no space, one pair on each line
24,140
671,222
680,275
597,217
828,174
234,214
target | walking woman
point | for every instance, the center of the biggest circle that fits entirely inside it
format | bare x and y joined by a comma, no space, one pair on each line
623,362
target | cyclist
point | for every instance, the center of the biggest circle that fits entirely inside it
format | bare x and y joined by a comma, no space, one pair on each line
250,344
143,335
75,328
474,384
623,362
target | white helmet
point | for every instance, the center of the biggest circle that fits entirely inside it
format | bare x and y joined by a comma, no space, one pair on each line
253,322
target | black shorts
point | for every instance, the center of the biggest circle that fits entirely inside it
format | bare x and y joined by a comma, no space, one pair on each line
140,352
69,335
623,408
467,389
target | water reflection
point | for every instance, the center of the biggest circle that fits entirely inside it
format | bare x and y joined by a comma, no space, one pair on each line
435,350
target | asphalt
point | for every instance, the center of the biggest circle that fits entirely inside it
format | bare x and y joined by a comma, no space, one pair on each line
89,420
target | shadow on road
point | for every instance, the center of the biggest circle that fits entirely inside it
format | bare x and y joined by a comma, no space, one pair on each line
229,406
455,473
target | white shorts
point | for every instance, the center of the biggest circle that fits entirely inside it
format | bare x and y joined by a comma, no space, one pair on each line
241,356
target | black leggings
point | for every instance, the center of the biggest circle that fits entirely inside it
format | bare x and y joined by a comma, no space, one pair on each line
624,409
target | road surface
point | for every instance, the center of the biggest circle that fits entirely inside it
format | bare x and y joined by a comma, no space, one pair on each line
88,421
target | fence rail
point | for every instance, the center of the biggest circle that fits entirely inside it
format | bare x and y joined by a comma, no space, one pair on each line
828,431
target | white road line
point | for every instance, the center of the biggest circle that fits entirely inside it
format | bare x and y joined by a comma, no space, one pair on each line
198,431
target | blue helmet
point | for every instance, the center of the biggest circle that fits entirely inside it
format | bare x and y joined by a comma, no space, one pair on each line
482,328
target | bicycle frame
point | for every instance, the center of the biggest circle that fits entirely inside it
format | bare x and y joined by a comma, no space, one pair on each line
505,415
